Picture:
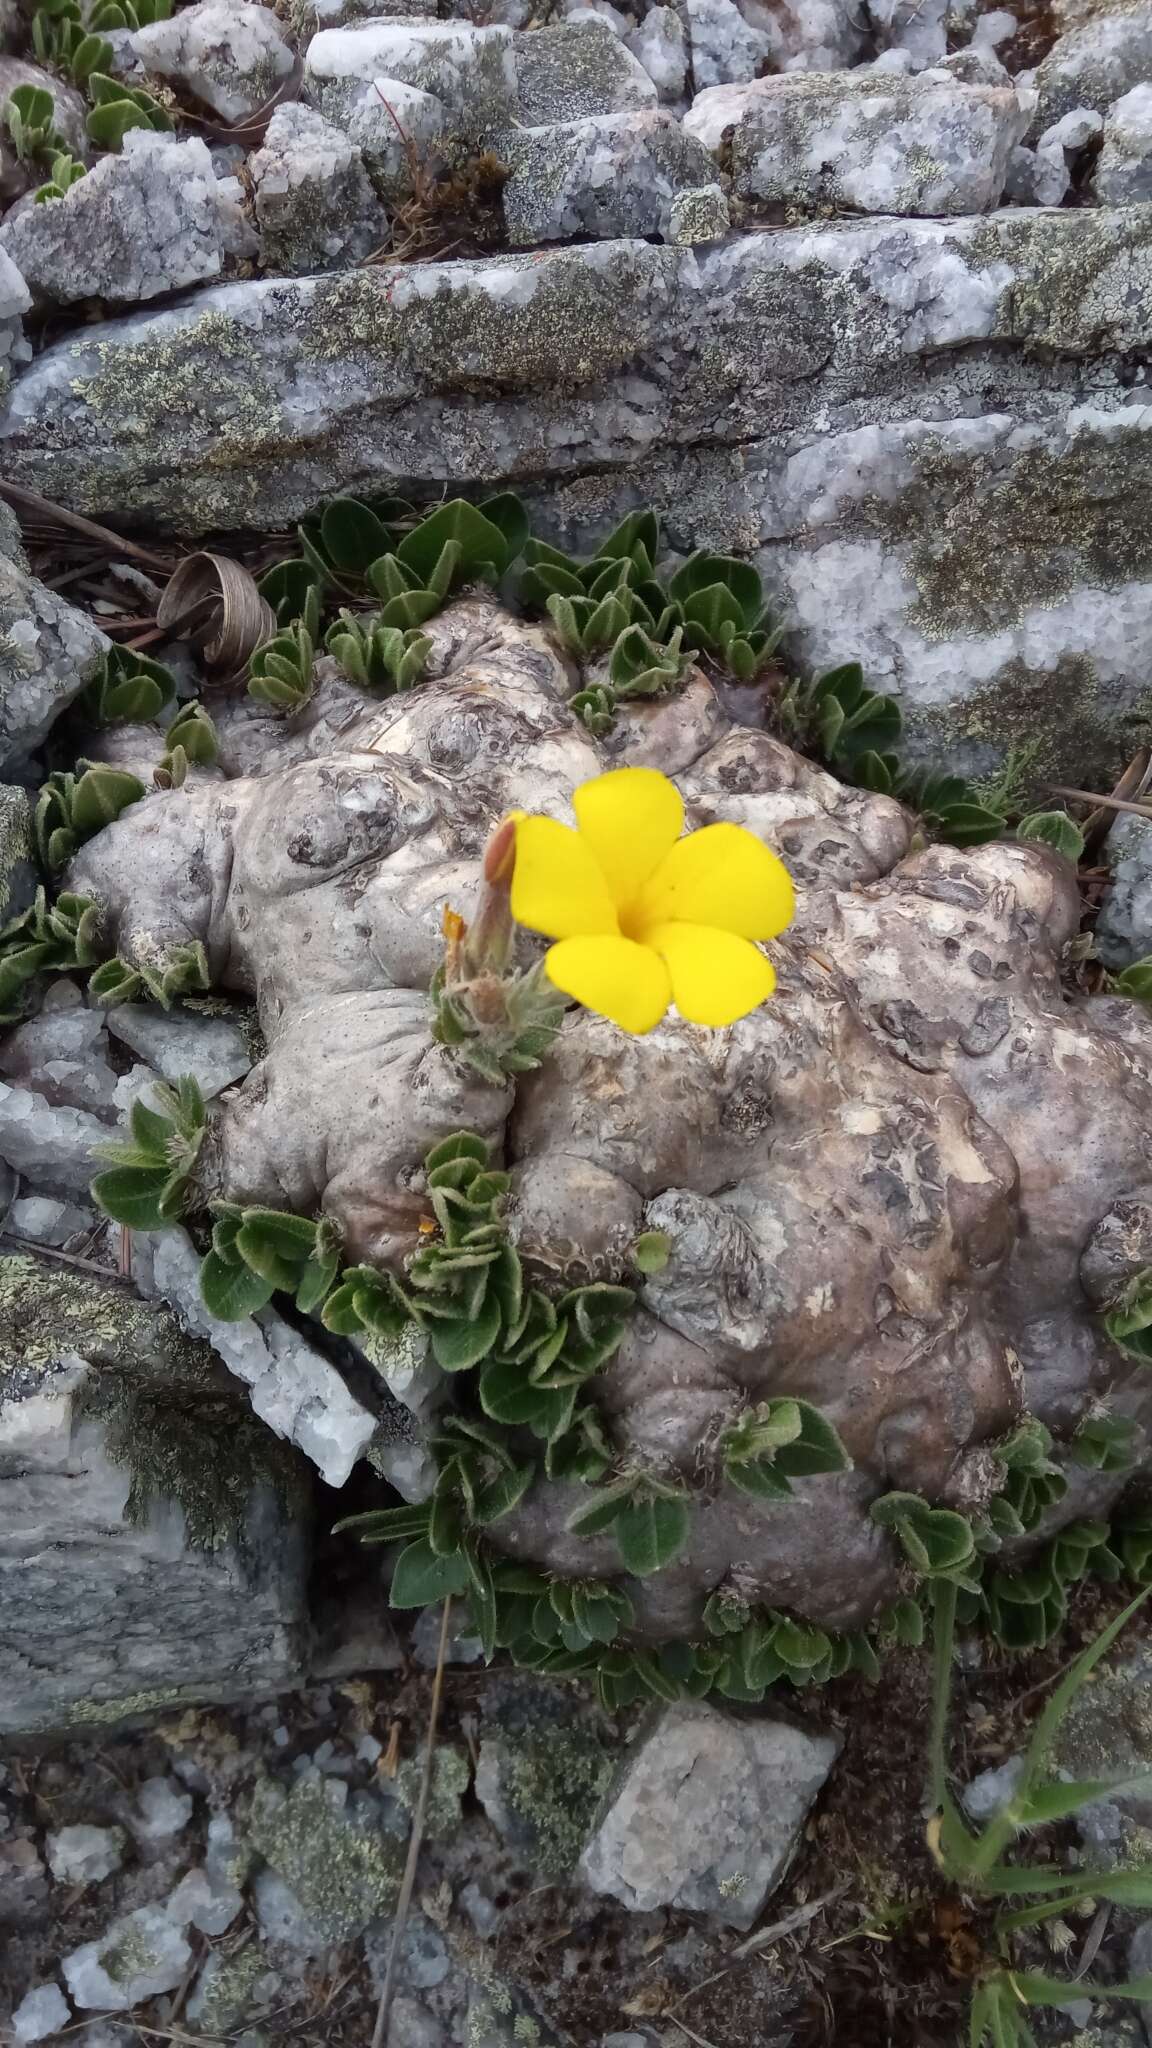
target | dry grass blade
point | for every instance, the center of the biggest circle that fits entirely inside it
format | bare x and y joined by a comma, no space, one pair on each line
1131,788
31,503
213,601
415,1839
1108,803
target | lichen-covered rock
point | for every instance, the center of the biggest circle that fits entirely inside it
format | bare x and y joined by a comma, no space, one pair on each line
1095,64
341,1866
1124,926
229,53
48,652
141,1955
611,174
576,70
312,198
706,1813
984,1124
922,30
1123,173
545,1766
470,73
18,873
152,1547
947,365
143,222
212,1048
914,146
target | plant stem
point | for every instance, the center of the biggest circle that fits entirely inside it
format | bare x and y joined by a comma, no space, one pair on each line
415,1838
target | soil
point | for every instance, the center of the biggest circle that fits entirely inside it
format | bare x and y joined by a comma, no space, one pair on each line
886,1962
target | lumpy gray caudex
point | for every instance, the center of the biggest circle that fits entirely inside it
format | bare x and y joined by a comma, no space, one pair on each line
902,1189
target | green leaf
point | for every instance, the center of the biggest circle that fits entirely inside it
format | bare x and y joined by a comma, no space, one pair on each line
131,1195
230,1291
650,1251
421,1578
458,1345
600,1512
503,1494
1055,829
461,1145
1058,1800
651,1531
386,1525
1135,981
482,545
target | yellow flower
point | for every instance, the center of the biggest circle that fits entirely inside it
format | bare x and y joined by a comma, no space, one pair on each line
643,917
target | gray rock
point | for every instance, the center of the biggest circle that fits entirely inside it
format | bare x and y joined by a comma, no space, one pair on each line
62,1055
412,2026
292,1386
313,200
41,1220
282,1919
85,1855
575,70
976,65
921,27
48,651
625,2041
229,53
205,1902
1124,925
53,1147
174,1042
659,44
706,1813
162,1811
992,1790
909,146
70,112
143,222
1093,65
469,73
139,1957
611,174
18,872
198,1592
15,300
42,2012
1042,176
725,48
1123,174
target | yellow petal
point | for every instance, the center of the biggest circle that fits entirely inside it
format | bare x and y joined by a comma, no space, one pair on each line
723,876
614,977
716,976
630,818
557,887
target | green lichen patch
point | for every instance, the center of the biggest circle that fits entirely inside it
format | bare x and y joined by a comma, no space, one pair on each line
1041,718
992,535
1082,279
451,1777
344,1874
552,1769
228,1987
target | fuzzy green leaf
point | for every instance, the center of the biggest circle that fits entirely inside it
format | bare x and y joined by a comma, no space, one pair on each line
651,1531
421,1578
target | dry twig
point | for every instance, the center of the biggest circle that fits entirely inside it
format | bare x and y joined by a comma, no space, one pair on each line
415,1838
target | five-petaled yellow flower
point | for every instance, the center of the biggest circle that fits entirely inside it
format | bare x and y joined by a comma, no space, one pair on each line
643,917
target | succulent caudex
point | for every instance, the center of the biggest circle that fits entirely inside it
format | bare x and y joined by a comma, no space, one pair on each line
871,1195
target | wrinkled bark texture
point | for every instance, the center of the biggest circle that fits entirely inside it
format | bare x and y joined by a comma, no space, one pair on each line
901,1190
